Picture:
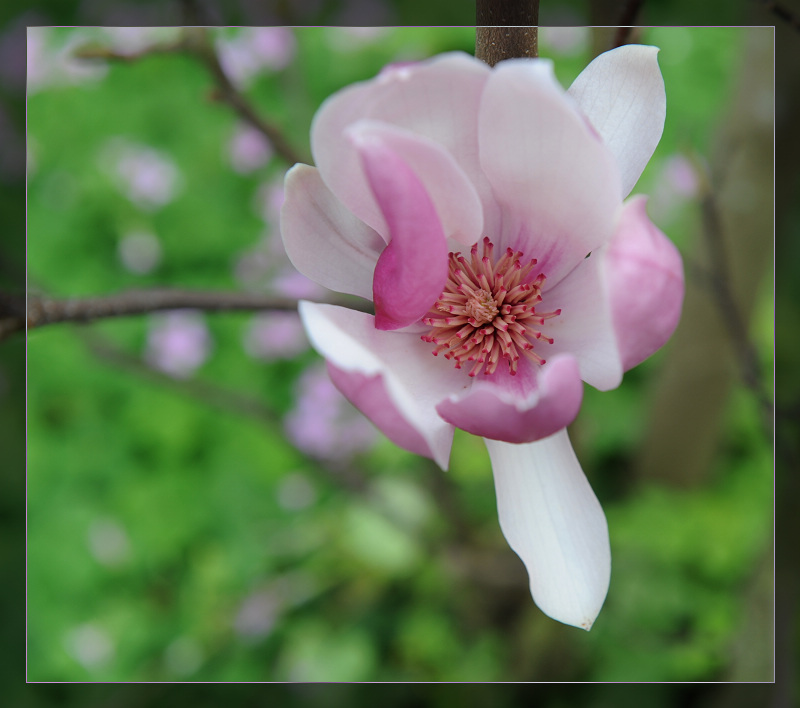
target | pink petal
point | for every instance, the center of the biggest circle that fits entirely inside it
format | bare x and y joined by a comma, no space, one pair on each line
585,327
456,202
413,379
323,240
644,273
412,270
436,99
622,94
369,395
554,523
517,411
556,182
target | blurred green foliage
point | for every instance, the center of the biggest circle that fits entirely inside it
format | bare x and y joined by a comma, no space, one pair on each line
387,572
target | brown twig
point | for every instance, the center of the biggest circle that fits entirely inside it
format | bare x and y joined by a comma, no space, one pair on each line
199,43
42,310
195,41
96,52
506,29
627,22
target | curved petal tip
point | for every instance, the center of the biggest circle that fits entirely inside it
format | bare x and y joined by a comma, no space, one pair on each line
554,523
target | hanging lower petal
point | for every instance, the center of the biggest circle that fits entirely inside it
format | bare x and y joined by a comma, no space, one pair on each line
553,521
369,395
413,380
644,277
528,406
622,94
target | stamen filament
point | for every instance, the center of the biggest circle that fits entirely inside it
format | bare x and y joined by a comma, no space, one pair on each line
487,311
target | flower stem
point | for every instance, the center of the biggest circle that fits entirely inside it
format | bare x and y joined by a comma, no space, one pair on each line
506,29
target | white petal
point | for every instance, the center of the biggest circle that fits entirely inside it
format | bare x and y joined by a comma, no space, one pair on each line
414,379
622,94
553,521
557,182
585,327
323,240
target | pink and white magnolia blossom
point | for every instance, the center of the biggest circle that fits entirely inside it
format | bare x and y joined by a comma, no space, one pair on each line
482,211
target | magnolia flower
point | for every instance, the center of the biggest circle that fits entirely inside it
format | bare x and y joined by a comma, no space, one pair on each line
482,211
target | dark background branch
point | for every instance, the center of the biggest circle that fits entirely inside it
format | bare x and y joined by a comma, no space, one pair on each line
43,310
199,42
719,282
196,42
626,22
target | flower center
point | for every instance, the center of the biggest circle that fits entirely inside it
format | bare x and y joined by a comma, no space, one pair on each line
481,307
487,311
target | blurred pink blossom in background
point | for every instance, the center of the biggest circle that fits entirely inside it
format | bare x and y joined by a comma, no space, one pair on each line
675,184
261,609
266,266
564,41
129,40
296,492
268,200
139,252
148,177
248,149
183,656
275,335
287,282
51,60
680,174
324,423
108,542
178,342
253,50
257,614
90,645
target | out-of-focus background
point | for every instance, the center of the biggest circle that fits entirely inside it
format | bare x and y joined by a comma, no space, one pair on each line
204,506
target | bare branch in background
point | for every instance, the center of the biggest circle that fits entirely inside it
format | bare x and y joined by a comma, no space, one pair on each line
691,396
200,44
719,281
195,41
95,52
43,310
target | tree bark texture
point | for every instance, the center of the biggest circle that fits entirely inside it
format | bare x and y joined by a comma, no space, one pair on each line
506,29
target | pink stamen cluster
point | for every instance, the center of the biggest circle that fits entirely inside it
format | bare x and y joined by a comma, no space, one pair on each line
487,311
